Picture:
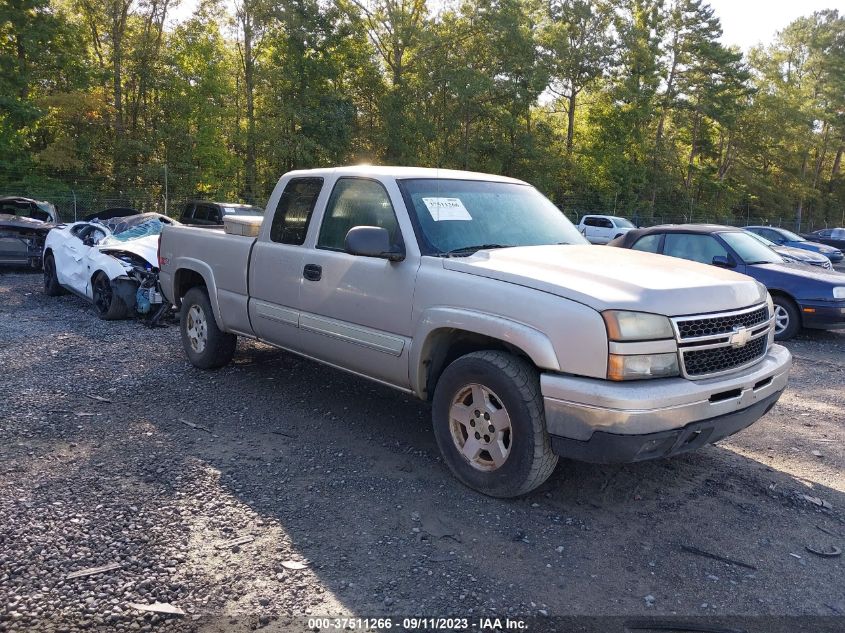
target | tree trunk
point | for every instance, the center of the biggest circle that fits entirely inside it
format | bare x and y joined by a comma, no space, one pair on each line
834,172
20,49
821,155
799,211
118,28
693,149
570,128
249,87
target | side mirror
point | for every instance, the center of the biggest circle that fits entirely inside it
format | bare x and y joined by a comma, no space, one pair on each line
372,241
722,261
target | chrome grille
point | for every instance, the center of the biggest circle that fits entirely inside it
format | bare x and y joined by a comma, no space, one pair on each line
702,362
715,344
721,324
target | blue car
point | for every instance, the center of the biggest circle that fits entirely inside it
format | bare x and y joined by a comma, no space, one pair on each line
803,296
797,255
782,237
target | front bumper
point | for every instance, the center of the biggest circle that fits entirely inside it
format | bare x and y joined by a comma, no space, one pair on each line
823,314
604,421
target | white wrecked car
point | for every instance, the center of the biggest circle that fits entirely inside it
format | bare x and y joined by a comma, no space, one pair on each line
111,262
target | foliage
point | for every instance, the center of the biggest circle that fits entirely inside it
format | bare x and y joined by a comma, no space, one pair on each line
626,106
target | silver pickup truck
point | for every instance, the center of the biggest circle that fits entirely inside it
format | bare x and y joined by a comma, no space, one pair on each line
474,292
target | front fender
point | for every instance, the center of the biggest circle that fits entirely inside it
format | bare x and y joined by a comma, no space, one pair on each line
531,341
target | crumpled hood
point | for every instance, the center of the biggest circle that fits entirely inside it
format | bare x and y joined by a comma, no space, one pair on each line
605,278
146,247
8,221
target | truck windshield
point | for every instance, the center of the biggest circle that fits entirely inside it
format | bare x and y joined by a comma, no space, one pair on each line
462,216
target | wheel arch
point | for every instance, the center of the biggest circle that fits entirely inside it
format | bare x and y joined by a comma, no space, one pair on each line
777,292
197,274
448,334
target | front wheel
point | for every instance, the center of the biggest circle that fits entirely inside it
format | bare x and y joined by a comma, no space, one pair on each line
787,318
489,424
206,345
107,304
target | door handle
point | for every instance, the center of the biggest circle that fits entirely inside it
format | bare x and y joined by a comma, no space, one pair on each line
312,272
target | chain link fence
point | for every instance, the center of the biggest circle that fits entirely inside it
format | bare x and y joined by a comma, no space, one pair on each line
75,201
575,207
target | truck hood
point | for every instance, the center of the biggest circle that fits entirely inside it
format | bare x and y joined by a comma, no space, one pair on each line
615,278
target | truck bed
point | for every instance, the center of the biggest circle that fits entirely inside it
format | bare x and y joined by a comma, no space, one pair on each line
222,260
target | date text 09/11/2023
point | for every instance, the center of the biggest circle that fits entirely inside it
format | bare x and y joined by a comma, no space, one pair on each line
419,623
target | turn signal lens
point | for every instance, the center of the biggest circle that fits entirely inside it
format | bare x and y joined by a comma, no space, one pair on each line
639,366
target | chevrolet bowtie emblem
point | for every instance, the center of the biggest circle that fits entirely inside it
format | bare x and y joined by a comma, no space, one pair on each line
740,336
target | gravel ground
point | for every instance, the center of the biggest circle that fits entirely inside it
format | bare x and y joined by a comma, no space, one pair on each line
115,450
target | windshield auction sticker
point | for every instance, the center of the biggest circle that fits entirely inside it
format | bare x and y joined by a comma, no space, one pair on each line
446,209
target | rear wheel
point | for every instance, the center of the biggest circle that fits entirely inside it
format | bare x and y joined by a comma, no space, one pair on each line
107,304
207,346
787,318
51,281
489,424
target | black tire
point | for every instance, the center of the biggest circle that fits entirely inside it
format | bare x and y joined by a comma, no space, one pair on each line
515,383
206,345
107,305
51,281
786,311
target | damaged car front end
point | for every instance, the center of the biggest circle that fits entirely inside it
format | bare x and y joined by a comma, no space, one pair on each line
111,263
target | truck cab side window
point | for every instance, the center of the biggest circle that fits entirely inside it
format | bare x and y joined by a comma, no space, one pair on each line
293,212
356,202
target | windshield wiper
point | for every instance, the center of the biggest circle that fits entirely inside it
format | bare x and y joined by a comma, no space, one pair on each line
762,261
464,251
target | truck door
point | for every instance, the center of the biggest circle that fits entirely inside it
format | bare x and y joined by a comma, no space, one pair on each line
604,230
593,229
275,271
356,311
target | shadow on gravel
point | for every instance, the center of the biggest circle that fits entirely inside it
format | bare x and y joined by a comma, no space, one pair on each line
313,464
346,475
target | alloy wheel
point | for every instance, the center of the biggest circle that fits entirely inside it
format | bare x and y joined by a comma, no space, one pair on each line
781,319
196,328
480,427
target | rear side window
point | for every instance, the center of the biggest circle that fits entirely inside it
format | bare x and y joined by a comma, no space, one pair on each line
356,202
293,213
649,243
772,236
693,246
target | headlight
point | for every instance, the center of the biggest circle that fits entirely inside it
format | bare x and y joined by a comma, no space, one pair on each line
636,326
641,366
839,292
